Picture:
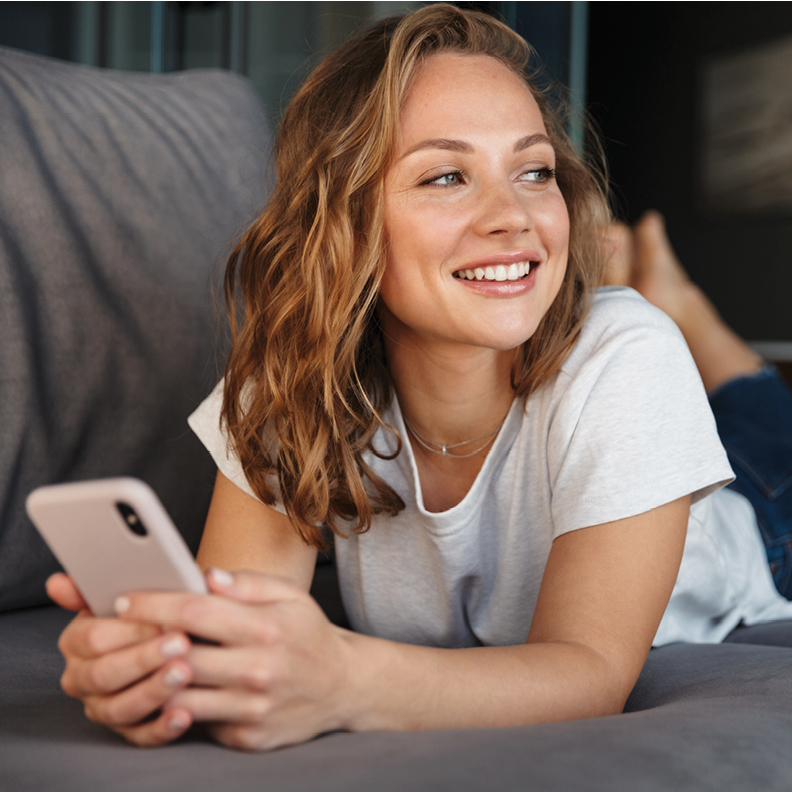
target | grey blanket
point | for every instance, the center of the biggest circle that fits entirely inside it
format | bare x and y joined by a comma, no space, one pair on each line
700,718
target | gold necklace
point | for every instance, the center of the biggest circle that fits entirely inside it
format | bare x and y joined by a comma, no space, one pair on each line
443,449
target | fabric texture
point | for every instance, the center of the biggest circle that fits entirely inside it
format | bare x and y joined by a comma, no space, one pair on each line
119,194
754,417
624,427
700,717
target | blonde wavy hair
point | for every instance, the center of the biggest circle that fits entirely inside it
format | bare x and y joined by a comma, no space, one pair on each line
306,381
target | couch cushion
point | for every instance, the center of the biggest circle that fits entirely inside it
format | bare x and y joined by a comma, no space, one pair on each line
777,633
119,194
703,717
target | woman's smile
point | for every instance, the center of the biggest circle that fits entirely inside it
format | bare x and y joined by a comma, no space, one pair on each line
501,275
472,210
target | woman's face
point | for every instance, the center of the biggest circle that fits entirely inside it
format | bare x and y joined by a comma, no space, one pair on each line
477,228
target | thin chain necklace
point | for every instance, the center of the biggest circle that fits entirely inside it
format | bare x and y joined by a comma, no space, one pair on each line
427,444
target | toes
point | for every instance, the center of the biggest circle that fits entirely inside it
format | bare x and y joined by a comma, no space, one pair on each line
653,246
618,249
651,217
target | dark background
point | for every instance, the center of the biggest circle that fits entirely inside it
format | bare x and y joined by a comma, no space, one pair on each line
643,90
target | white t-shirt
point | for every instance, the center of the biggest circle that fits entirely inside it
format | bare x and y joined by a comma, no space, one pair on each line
623,427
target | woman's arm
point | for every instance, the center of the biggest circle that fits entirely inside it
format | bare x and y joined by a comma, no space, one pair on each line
284,674
603,593
243,533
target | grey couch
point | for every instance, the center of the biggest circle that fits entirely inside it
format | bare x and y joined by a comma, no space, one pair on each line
119,194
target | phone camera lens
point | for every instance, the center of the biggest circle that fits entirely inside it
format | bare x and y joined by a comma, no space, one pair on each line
131,519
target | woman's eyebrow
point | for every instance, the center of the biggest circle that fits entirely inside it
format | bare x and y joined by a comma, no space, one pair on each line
464,147
531,140
439,143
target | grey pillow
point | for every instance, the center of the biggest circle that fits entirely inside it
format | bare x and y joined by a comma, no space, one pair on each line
119,193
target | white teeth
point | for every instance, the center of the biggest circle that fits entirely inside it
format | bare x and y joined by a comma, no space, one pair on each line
498,273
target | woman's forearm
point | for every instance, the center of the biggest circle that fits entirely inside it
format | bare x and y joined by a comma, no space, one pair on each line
396,686
277,672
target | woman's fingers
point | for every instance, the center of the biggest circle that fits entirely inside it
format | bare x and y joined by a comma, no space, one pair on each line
214,618
226,705
62,591
114,671
252,668
88,637
253,587
240,736
125,688
128,708
169,726
277,674
227,618
125,672
249,721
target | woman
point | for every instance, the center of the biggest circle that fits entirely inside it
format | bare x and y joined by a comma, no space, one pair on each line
421,368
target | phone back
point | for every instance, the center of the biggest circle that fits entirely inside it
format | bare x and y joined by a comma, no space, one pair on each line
113,536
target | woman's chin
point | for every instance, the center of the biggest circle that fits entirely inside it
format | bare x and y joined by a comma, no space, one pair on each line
501,343
507,339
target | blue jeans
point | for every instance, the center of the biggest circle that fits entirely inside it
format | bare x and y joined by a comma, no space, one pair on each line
754,418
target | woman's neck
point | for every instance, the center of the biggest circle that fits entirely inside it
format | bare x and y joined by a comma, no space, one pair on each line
450,393
450,396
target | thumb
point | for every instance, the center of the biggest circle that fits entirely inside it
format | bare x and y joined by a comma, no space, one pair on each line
62,590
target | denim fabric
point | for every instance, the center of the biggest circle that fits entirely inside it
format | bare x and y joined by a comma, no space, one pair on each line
754,417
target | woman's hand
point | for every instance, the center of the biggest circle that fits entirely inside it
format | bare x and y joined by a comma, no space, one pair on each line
278,675
124,672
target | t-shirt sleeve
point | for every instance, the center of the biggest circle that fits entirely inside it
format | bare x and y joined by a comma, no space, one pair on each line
633,431
205,422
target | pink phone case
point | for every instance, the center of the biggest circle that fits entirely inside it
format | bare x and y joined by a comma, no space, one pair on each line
91,537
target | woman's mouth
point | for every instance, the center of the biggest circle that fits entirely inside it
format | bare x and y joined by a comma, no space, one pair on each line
499,272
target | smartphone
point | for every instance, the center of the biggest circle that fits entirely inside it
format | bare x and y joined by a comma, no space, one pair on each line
113,536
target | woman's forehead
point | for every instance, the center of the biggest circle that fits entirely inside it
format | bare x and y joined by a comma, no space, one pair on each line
455,94
456,72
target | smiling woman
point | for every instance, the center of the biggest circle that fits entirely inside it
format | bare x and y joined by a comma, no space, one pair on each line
486,199
506,457
355,146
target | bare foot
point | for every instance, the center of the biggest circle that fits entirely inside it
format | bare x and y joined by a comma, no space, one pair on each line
618,247
720,354
657,274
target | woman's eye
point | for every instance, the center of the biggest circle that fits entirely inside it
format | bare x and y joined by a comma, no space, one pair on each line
447,179
539,176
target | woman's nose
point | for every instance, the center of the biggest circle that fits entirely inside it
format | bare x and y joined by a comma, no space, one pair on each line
503,211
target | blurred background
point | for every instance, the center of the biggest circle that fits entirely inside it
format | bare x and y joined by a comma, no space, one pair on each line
693,102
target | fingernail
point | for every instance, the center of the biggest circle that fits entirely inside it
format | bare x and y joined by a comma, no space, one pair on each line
122,605
178,722
174,646
221,577
175,676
